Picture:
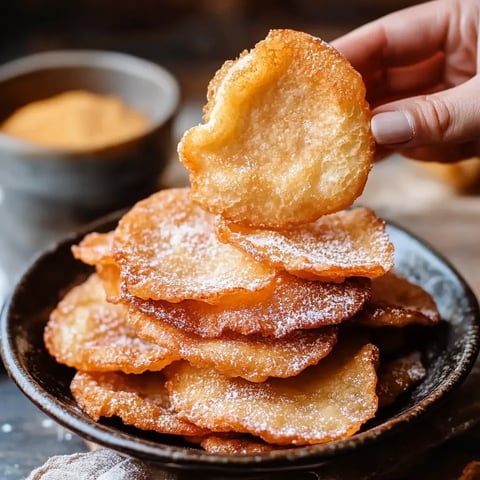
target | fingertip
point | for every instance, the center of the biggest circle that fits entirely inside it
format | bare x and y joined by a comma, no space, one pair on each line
392,128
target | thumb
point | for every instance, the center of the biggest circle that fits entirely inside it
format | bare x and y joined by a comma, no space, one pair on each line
449,116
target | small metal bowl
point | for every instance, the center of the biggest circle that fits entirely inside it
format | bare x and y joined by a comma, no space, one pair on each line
53,190
448,353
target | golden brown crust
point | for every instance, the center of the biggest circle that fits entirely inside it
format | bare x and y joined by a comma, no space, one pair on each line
139,400
167,249
397,302
232,444
94,249
214,86
253,357
323,403
287,137
291,304
350,243
88,333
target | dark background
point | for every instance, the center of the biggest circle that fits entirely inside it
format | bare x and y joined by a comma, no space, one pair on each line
189,37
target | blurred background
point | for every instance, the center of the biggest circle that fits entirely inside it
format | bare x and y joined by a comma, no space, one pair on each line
191,38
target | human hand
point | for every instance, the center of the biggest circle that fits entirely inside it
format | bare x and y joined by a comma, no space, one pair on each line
420,67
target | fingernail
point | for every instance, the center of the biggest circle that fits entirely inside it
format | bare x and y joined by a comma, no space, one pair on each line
392,127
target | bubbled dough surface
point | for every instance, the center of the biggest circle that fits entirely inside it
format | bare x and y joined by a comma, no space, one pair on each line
287,137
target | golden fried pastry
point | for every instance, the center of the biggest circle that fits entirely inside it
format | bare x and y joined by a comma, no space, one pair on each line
397,376
290,304
109,275
344,244
139,400
86,332
325,402
254,358
232,444
287,135
396,302
95,248
471,471
167,249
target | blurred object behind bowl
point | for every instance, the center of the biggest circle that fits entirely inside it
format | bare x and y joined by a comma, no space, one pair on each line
462,176
48,191
76,120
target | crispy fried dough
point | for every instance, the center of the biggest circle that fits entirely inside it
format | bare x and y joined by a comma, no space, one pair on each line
290,304
287,135
109,274
87,333
95,248
351,243
471,471
232,444
326,402
139,400
397,376
167,249
396,302
254,358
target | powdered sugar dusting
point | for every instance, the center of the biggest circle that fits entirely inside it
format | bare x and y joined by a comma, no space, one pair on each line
326,402
101,464
167,249
87,333
251,357
292,304
139,400
344,244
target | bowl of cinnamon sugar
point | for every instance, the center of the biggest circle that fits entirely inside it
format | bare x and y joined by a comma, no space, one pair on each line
82,133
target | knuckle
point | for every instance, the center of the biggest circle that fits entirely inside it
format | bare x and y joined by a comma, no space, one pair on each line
436,117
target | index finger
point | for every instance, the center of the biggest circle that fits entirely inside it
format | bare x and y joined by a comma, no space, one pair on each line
401,38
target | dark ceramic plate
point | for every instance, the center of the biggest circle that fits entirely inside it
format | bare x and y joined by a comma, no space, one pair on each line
449,353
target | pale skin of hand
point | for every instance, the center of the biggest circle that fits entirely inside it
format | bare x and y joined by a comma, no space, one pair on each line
423,64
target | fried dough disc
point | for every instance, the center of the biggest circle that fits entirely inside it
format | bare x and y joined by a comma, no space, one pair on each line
88,333
396,302
109,274
232,444
351,243
325,402
95,248
290,304
167,250
471,471
397,376
254,358
287,135
139,400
